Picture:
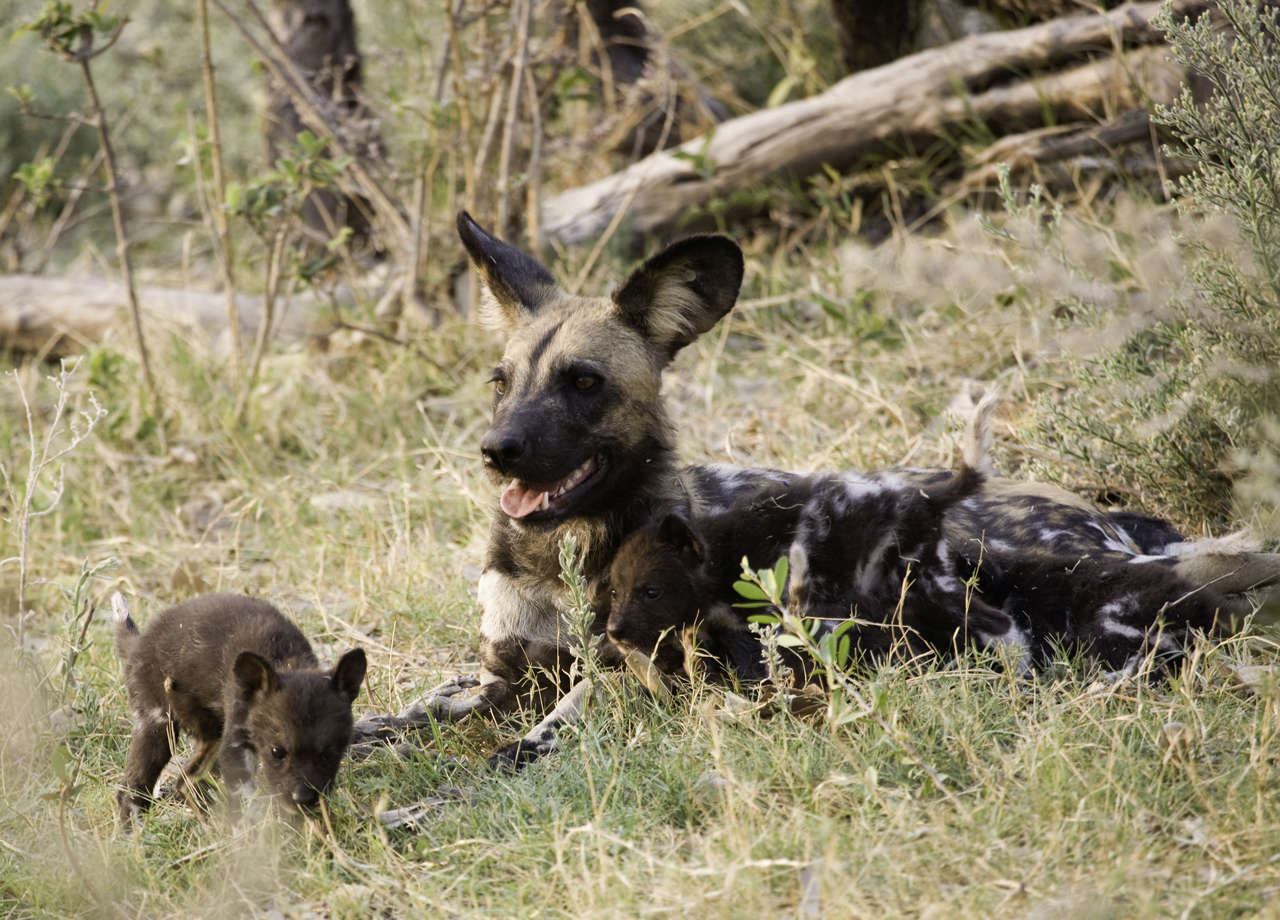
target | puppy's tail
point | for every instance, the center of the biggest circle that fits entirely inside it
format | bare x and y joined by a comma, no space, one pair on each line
975,456
976,446
126,630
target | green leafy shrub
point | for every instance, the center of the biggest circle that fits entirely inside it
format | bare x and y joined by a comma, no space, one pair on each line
1172,416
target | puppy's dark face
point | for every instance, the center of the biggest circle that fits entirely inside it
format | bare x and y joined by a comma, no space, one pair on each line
300,725
656,594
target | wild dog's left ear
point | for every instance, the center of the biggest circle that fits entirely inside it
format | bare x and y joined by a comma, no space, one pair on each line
255,677
682,291
348,674
679,534
518,282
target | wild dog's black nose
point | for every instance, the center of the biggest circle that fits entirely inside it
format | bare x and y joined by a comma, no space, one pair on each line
305,796
501,450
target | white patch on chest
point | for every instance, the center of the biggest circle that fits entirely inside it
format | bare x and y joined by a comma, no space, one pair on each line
507,612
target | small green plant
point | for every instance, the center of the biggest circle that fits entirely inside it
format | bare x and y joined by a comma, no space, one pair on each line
830,648
585,644
67,424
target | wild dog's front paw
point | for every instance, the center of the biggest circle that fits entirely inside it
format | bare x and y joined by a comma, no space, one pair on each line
437,705
441,704
526,750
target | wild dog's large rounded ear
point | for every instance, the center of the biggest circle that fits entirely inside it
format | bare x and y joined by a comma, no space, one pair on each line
679,534
682,291
518,282
348,674
254,675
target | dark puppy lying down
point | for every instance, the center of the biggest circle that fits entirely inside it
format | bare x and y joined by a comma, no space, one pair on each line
235,673
873,548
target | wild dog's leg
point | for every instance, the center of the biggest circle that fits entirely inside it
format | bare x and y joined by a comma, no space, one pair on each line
438,705
149,751
187,786
517,631
543,739
238,761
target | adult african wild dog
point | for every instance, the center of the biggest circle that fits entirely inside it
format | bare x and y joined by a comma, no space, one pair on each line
580,443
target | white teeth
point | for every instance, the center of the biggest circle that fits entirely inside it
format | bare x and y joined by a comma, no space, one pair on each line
546,502
574,478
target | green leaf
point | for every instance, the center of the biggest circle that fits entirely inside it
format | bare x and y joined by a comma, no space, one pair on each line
780,569
750,591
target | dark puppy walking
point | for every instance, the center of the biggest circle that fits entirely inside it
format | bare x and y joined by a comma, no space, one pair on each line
235,673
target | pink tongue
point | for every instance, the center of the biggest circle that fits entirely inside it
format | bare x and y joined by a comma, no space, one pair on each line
518,500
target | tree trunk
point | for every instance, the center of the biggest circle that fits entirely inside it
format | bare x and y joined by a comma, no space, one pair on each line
873,32
319,37
659,99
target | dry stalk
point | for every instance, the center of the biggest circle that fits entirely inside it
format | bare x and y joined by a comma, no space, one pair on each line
275,259
222,230
41,454
464,112
524,13
117,212
533,186
491,122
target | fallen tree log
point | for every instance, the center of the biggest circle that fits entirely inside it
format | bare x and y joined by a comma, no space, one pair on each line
1067,69
53,317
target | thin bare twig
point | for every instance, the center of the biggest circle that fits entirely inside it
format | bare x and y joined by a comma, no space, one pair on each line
524,13
533,185
222,230
117,219
275,259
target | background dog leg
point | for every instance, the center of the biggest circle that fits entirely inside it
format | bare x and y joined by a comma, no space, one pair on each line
543,738
438,705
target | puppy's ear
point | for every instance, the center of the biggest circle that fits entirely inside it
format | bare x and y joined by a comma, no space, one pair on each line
682,291
348,674
679,534
255,678
518,283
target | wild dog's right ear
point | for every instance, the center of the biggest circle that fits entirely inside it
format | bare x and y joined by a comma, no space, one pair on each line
679,534
517,281
348,674
682,291
254,675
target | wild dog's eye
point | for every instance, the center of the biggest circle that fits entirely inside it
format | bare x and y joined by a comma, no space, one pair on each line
585,382
277,752
652,592
499,384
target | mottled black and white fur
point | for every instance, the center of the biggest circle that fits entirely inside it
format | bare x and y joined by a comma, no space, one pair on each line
871,548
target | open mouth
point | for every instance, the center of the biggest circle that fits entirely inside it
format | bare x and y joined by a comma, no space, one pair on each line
523,500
